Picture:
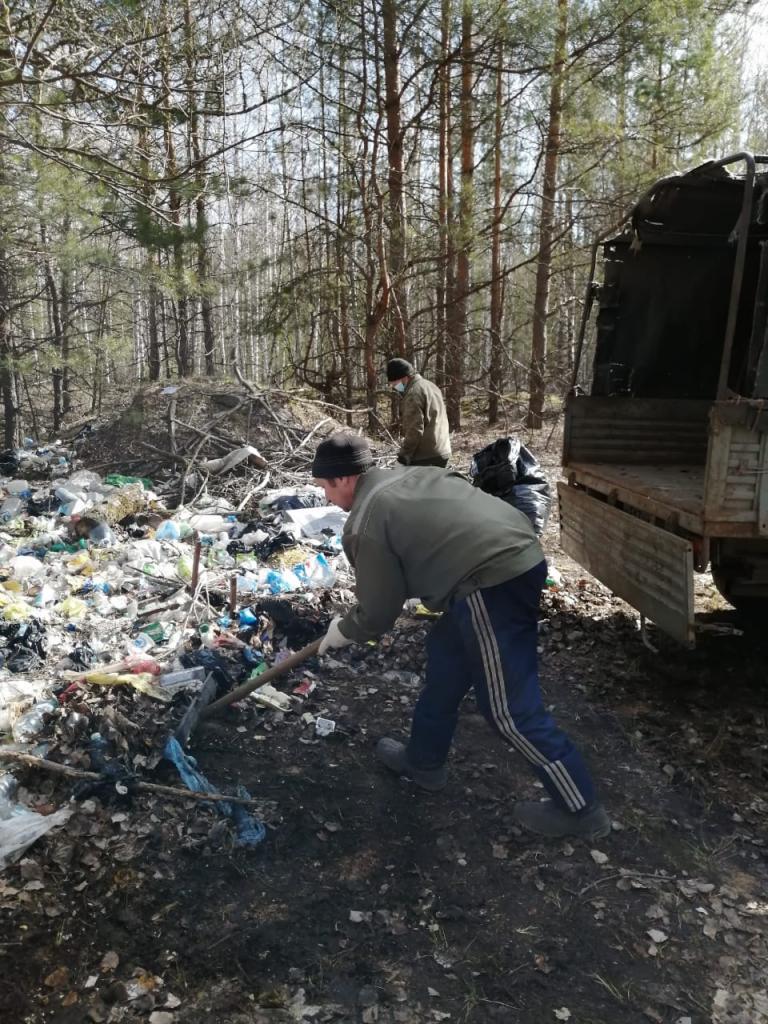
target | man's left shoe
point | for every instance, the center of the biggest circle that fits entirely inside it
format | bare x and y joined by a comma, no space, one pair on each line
546,819
393,754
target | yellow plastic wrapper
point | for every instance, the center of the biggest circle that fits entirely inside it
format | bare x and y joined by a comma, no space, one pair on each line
73,608
141,681
80,562
16,611
13,586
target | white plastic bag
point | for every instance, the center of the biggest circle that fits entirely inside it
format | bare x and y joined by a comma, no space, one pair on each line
24,828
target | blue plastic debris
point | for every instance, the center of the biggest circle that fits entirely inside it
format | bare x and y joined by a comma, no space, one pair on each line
250,832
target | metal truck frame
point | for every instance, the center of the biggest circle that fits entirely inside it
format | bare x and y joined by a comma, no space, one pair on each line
660,483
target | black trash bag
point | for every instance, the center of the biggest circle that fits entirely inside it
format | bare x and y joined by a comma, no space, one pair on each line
293,501
42,504
22,659
117,783
510,471
28,635
9,463
267,548
82,655
212,663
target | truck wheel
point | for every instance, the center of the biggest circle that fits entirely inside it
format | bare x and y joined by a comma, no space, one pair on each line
740,573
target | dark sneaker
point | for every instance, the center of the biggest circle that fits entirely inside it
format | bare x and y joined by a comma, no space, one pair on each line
393,755
546,819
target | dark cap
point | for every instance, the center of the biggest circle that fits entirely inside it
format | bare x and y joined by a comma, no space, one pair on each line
341,455
398,368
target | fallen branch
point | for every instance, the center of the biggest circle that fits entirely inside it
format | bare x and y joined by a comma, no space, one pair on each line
43,764
254,490
167,456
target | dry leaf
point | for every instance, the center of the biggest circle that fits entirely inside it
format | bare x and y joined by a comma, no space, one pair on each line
109,962
58,978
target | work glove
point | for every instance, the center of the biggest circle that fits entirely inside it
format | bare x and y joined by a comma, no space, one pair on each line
334,638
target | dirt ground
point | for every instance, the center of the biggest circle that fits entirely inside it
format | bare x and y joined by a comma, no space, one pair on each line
371,901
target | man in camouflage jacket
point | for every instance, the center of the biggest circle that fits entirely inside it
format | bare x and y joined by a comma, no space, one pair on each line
422,415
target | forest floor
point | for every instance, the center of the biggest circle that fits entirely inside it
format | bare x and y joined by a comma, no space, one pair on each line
371,901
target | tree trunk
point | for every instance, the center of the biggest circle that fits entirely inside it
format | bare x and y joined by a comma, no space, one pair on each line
458,325
153,355
445,275
496,368
54,307
537,379
392,105
7,385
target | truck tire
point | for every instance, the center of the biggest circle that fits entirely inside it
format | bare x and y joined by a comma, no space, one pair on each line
740,572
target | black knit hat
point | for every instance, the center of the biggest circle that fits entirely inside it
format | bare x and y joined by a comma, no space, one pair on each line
398,368
341,455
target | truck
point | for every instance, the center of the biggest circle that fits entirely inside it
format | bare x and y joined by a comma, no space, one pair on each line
665,457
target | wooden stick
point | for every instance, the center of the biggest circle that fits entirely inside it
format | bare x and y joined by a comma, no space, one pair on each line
195,565
30,761
232,595
266,677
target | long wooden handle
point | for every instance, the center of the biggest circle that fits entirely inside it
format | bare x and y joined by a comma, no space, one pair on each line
266,677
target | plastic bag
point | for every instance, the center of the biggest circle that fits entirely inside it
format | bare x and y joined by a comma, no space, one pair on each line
168,530
510,471
24,828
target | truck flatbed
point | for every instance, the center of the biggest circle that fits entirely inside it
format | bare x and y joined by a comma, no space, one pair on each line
670,493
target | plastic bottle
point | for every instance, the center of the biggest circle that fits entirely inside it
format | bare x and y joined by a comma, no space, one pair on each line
18,487
207,636
29,725
11,507
211,524
9,787
102,536
140,644
68,494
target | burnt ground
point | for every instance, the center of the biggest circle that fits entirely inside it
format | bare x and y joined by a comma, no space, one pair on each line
373,902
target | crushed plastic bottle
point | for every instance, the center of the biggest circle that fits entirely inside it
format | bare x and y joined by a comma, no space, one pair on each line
28,726
554,580
9,787
102,536
18,487
316,572
11,507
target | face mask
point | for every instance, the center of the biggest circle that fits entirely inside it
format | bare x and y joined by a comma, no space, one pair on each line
400,388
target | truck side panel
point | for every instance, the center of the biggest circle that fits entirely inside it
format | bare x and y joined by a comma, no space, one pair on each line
635,430
736,480
649,568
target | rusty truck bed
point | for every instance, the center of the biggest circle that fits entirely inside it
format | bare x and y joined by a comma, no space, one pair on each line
662,492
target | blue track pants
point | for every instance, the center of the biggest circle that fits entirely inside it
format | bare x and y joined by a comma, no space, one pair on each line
488,641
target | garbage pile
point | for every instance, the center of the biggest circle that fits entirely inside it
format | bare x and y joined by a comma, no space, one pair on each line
121,617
